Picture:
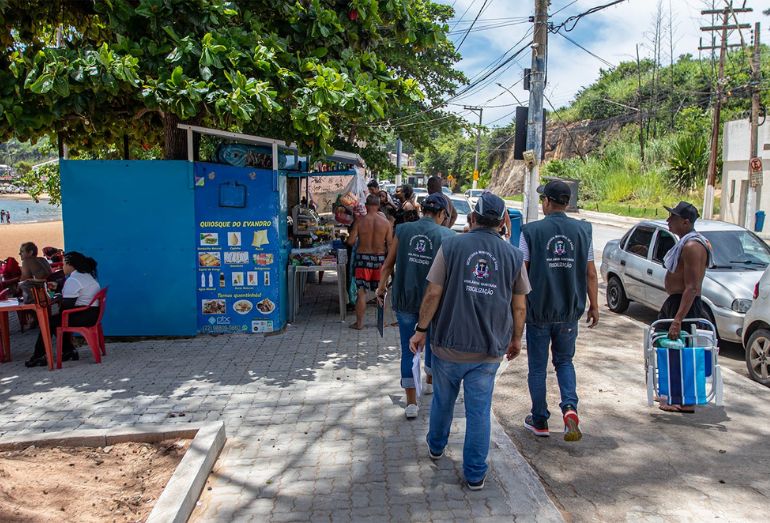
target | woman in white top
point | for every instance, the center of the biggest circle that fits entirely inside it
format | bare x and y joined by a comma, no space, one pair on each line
80,287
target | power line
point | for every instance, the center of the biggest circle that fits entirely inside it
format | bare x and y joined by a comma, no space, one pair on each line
573,20
484,5
609,64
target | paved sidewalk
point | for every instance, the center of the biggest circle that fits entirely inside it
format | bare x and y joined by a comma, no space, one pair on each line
637,463
314,419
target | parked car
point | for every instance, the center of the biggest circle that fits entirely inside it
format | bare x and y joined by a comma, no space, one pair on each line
473,195
633,270
463,208
756,332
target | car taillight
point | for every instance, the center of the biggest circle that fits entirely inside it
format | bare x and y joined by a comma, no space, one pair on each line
756,291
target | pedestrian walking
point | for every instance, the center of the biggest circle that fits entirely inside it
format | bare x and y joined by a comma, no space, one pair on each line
558,252
374,236
686,264
2,216
411,255
475,306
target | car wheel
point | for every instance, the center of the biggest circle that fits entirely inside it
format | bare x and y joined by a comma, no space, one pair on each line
758,356
617,301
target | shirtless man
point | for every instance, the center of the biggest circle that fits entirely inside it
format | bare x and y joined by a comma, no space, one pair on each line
686,265
374,235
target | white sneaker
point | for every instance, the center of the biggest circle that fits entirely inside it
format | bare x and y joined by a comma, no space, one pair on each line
427,389
411,411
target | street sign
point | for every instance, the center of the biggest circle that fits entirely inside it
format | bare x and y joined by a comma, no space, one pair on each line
755,167
450,178
475,175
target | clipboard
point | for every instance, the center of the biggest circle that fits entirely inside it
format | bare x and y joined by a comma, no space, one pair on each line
381,315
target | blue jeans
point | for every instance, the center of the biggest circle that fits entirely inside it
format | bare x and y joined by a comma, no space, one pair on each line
478,381
406,324
561,339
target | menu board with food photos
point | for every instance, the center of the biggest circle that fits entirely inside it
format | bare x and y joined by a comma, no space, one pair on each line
236,210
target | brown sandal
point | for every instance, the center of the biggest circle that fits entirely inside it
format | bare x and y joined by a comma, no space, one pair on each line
684,409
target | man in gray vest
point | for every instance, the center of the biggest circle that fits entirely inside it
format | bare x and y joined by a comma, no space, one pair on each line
476,301
412,252
558,252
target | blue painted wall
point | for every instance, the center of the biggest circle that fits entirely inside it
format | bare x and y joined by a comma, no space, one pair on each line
137,219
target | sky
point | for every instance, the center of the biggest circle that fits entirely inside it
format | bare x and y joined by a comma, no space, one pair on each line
611,34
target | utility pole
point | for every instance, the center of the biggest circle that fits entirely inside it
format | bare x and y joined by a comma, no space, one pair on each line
398,162
480,110
755,182
708,198
639,96
535,126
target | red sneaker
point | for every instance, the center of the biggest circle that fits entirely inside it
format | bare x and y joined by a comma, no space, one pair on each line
571,426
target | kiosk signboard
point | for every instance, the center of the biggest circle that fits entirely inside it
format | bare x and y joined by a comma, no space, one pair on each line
237,243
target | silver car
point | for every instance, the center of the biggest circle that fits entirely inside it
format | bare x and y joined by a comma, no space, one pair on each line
633,270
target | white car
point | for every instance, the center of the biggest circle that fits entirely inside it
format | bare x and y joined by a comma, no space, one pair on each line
756,332
473,195
463,208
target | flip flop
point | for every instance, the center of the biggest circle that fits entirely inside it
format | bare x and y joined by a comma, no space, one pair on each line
677,408
355,327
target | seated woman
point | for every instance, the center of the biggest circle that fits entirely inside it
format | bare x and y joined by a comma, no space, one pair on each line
80,288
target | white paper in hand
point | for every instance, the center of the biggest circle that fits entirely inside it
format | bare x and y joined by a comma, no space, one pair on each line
416,373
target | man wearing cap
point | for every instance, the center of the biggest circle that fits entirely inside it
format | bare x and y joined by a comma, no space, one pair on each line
412,252
686,265
475,306
558,252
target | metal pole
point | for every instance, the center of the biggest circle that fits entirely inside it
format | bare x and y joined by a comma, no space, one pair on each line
398,162
752,198
708,198
478,146
535,124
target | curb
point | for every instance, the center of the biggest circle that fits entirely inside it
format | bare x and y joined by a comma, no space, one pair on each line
510,466
177,501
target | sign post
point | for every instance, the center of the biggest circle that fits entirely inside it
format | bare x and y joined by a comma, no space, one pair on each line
755,165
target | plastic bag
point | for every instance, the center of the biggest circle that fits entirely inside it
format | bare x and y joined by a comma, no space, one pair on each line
352,199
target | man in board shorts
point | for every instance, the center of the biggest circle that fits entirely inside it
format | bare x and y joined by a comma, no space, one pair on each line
374,236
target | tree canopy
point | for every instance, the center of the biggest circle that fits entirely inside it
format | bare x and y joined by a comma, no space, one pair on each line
321,73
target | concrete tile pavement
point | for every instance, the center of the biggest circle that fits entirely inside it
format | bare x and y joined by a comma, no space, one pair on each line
314,419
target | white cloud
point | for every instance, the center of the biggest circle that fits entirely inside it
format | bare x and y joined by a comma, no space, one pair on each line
611,33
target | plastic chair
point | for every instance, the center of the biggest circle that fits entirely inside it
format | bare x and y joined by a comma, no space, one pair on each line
94,335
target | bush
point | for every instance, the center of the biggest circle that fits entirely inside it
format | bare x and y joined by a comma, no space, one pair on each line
689,161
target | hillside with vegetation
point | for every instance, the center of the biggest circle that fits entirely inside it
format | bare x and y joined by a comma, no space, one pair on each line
638,137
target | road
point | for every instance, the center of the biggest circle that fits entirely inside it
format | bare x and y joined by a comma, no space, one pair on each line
731,355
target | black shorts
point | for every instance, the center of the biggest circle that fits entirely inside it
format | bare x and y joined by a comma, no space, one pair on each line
671,307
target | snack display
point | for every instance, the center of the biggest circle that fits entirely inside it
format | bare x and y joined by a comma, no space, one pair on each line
209,238
242,306
214,307
266,306
209,259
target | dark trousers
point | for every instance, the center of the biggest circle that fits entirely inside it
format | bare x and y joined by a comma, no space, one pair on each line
671,307
85,318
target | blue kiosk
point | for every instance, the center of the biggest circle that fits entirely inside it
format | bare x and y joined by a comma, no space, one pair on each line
188,247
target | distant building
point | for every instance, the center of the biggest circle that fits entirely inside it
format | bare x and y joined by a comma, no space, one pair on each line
735,171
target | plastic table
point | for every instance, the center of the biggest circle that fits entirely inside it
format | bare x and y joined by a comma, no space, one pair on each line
297,275
8,306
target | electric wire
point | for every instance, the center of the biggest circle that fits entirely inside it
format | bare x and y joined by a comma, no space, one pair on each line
483,6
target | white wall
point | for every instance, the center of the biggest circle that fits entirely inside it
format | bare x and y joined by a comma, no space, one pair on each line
735,171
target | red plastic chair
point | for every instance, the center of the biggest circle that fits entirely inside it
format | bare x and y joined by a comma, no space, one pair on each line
94,335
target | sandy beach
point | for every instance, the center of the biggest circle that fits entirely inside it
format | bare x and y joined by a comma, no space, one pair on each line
42,233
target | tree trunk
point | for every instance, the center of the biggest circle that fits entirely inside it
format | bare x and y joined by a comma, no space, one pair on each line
175,142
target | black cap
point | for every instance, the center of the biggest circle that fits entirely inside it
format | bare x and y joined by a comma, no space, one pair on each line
556,191
490,205
684,210
434,202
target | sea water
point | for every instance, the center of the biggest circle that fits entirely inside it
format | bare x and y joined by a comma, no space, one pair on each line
38,212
